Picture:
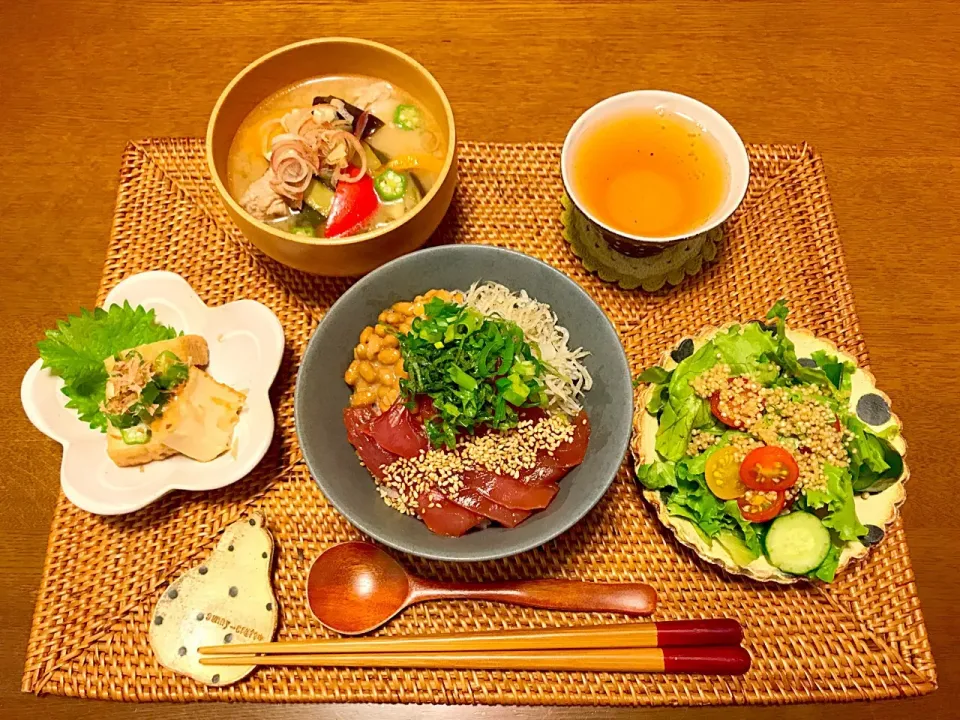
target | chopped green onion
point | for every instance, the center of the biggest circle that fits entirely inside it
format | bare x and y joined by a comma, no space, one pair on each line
462,379
122,421
478,370
150,393
169,371
451,409
164,361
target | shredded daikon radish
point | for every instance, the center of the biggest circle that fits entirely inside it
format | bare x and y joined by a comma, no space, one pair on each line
568,379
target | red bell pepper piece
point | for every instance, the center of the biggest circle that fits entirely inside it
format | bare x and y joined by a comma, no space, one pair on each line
352,204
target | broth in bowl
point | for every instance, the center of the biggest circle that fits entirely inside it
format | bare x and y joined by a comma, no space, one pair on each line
335,156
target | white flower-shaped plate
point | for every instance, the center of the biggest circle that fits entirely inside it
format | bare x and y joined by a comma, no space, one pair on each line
246,345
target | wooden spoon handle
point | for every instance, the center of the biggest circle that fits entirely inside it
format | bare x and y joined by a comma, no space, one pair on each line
573,595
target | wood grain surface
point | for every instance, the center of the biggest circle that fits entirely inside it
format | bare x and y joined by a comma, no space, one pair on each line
872,85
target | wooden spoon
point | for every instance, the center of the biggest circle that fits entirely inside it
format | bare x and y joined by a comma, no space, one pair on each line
356,587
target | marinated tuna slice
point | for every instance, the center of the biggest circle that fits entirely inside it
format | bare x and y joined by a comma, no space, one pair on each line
509,492
357,421
444,517
399,431
532,413
569,454
475,502
543,475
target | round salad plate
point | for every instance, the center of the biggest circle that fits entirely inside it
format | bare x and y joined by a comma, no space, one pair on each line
322,394
245,341
880,509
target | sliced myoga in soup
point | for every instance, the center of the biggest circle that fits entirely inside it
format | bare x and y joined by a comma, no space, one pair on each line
465,407
335,156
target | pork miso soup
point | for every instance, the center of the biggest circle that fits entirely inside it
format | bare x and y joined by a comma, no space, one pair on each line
335,156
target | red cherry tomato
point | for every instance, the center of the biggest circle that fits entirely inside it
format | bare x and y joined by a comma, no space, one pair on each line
719,403
719,414
757,507
353,202
769,468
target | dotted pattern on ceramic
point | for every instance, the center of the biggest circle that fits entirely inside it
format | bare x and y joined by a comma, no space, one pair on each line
225,599
670,265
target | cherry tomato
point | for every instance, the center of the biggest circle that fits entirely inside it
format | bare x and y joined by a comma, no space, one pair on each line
719,414
769,468
757,507
723,474
719,404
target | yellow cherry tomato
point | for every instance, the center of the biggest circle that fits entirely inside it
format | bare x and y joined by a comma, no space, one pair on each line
723,474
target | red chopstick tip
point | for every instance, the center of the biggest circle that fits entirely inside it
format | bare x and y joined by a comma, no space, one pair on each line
688,633
720,660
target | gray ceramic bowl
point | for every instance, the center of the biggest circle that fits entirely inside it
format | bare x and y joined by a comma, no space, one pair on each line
321,396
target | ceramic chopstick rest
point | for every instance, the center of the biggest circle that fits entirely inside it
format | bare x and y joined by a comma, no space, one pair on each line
227,598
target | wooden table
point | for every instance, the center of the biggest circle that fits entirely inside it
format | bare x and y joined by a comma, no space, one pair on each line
872,85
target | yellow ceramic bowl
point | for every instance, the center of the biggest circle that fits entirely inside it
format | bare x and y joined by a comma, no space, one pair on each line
332,56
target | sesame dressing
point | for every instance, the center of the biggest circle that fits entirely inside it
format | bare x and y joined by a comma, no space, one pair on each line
796,418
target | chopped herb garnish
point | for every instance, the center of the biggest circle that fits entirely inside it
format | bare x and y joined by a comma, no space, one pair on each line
478,370
75,351
166,374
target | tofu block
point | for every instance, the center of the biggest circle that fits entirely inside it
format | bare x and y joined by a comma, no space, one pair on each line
125,455
199,421
191,349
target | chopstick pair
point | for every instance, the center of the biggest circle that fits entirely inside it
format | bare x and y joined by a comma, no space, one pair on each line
690,646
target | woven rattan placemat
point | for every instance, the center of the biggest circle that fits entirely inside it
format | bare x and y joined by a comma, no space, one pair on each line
863,637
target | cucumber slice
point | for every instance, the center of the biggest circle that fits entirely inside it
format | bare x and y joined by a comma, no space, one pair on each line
797,543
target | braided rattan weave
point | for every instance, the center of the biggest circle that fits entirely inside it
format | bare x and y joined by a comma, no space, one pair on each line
861,638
